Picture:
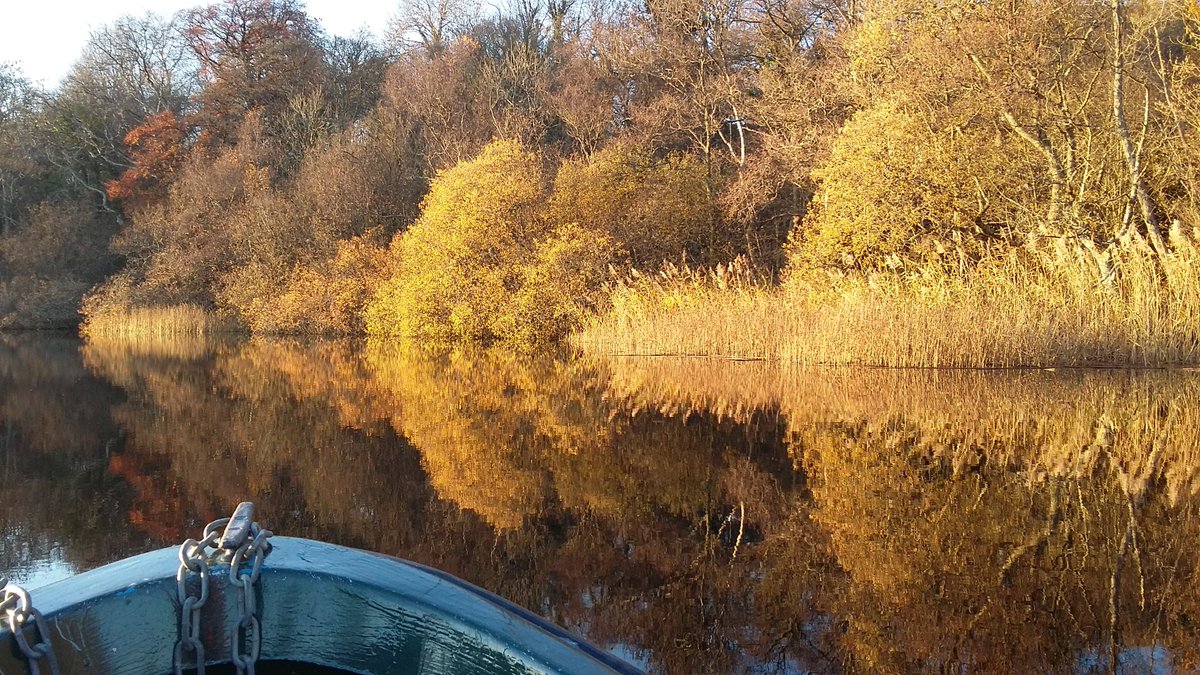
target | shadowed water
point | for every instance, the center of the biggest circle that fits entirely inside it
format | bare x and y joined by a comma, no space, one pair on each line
692,516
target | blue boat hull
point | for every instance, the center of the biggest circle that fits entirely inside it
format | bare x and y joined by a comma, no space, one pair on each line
320,604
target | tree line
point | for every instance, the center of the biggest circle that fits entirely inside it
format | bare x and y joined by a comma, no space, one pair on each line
483,175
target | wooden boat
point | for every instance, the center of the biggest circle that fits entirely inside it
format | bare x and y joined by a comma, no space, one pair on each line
312,606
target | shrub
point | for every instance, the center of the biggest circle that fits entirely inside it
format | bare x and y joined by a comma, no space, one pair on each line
325,297
483,263
893,190
655,209
560,287
456,266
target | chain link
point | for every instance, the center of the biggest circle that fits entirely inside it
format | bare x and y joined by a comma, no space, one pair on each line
19,609
249,549
193,560
245,636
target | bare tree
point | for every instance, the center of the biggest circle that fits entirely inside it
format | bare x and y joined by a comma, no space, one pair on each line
142,59
430,25
1138,190
130,69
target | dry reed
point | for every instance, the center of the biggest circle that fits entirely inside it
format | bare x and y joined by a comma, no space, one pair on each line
1061,304
154,324
728,311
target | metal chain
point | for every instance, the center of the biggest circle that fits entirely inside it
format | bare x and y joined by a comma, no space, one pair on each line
245,636
193,558
243,543
19,609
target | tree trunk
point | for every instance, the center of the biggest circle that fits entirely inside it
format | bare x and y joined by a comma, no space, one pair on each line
1137,180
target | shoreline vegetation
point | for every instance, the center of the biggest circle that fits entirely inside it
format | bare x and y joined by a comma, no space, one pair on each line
901,183
135,324
1040,308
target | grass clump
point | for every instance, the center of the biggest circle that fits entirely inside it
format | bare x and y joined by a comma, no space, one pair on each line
137,324
729,310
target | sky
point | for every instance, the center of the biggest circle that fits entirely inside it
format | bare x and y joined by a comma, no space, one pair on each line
44,37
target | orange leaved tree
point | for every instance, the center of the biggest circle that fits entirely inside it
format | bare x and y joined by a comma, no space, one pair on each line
157,147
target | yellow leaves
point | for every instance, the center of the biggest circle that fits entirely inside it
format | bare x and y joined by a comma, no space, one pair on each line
501,184
484,263
896,186
869,50
452,267
315,297
559,287
656,209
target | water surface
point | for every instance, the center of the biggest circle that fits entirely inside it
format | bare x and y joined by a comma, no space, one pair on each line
694,516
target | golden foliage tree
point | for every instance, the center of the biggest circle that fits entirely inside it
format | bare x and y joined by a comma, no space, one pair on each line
895,187
482,260
982,121
656,209
457,262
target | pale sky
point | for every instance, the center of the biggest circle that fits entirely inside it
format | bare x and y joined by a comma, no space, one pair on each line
44,37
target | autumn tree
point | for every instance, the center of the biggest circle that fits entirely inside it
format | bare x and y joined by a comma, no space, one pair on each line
501,76
177,249
581,93
157,150
796,112
454,266
318,251
693,58
142,72
141,59
53,229
128,71
654,208
482,257
253,54
1176,68
978,123
50,260
692,65
442,102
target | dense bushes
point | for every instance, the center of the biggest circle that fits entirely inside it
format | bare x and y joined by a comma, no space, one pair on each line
485,262
48,265
657,209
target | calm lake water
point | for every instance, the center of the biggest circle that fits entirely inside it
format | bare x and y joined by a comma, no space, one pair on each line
693,516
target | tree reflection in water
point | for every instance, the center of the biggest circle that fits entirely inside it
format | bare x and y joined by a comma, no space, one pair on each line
705,516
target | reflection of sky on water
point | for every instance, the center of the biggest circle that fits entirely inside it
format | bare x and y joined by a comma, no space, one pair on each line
629,655
1130,661
42,571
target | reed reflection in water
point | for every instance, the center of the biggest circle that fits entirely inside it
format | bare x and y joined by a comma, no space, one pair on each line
701,516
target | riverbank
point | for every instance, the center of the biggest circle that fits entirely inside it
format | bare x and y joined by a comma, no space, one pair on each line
1058,305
